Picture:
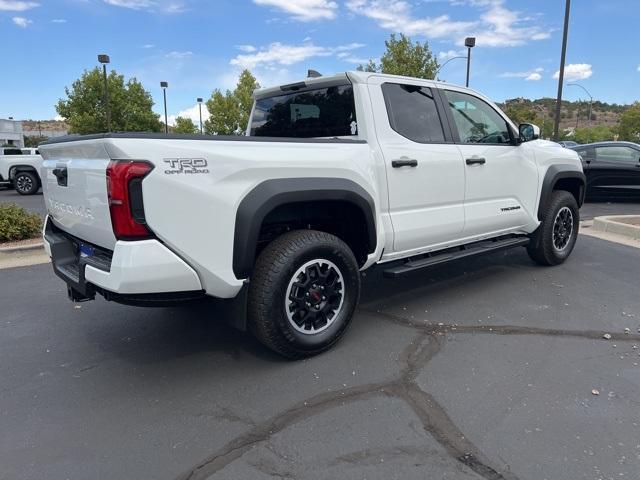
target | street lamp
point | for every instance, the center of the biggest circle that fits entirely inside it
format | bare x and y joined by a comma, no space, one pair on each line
587,92
544,114
563,55
469,42
164,86
104,59
441,66
200,109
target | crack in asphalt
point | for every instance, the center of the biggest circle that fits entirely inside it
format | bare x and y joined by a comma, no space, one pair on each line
433,417
432,329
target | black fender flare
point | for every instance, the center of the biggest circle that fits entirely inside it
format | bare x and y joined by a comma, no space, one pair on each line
554,174
266,196
15,169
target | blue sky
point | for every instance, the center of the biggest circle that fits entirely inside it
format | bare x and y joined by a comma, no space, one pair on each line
199,45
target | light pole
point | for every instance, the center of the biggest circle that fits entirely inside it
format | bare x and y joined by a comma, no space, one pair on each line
104,59
563,55
544,114
441,66
587,92
200,109
164,86
469,42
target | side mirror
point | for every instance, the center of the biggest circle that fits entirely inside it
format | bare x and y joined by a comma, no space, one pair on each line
528,132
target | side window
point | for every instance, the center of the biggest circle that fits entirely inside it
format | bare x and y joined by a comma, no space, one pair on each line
476,120
412,112
616,154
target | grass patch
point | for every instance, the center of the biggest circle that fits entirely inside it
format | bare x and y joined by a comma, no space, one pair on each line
16,223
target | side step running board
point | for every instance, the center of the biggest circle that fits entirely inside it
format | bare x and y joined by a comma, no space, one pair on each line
479,248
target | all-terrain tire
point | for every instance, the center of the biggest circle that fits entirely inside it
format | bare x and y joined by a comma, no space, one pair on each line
26,183
553,241
288,310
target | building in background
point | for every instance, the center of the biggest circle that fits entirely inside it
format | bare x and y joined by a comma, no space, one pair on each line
45,128
11,132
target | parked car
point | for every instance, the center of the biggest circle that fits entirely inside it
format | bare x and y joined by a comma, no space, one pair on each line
20,171
30,151
568,143
612,169
10,151
336,174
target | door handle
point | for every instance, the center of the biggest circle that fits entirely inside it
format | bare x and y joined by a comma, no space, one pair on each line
404,162
476,161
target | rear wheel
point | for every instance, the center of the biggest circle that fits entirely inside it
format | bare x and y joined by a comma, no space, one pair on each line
303,292
556,236
26,183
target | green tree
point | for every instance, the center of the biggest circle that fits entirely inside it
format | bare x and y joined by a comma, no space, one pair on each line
629,127
229,112
32,141
185,125
599,133
404,57
130,105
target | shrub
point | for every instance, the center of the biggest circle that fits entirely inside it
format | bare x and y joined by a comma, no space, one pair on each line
18,224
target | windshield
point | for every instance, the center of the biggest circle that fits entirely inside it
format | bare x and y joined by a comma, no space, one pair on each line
323,112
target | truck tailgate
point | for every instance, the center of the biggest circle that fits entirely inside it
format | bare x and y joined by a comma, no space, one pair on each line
75,189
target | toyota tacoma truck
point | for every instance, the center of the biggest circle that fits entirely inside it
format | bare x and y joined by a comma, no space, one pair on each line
334,175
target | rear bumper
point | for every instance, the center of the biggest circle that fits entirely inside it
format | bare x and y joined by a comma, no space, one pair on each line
132,273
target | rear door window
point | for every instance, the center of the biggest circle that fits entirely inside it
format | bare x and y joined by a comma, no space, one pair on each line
323,112
617,154
413,113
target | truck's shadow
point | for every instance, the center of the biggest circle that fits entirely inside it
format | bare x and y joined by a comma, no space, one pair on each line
159,335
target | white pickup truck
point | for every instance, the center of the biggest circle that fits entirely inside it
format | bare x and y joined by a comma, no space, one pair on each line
335,174
20,170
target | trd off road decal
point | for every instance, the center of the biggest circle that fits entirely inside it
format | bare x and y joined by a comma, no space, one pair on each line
186,166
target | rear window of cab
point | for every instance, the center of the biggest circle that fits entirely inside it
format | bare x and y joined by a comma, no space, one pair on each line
318,113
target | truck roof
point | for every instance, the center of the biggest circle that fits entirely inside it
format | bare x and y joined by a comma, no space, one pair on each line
341,78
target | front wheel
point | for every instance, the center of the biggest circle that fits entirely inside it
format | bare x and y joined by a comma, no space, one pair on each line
302,294
553,241
26,183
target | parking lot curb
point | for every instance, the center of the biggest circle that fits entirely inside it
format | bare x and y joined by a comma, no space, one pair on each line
21,249
613,224
23,255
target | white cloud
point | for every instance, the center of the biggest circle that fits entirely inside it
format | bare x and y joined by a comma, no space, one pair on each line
304,10
639,68
148,45
530,76
132,4
496,26
179,55
281,54
449,54
21,21
396,15
575,71
192,113
246,48
16,6
174,8
59,20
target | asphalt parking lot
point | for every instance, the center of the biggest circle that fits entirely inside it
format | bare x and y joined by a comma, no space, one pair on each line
482,369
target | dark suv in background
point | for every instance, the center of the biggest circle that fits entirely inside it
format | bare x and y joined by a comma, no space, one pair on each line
612,169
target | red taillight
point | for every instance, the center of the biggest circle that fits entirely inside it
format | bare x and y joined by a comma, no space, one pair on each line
124,189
